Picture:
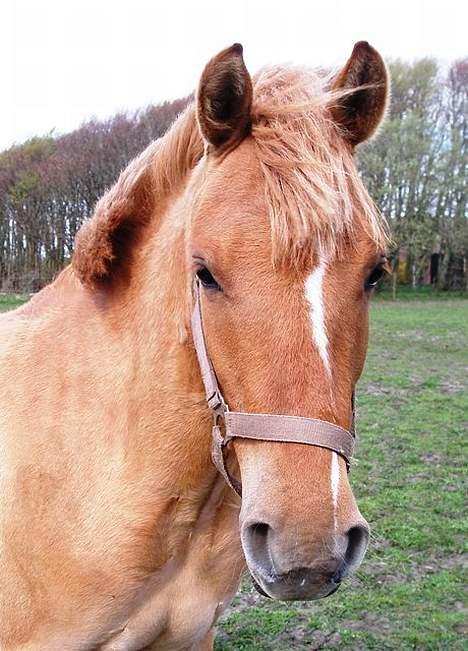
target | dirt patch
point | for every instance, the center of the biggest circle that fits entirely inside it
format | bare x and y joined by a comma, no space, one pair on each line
431,457
448,562
377,390
299,637
385,574
452,387
370,623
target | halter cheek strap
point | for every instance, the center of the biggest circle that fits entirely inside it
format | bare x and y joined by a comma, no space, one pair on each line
262,427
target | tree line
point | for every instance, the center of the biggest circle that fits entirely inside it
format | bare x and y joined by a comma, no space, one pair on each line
49,186
416,170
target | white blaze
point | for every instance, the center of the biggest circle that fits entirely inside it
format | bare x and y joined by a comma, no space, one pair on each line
314,295
335,482
315,298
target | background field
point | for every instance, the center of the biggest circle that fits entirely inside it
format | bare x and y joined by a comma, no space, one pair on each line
10,301
409,480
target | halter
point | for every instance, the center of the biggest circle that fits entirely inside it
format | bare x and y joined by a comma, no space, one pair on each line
263,427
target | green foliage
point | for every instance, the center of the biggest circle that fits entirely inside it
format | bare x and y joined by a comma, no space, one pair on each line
416,168
26,183
49,185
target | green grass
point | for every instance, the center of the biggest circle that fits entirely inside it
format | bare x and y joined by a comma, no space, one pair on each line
408,478
10,301
426,293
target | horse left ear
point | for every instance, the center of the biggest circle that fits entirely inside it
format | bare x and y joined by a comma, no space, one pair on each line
103,242
224,100
360,113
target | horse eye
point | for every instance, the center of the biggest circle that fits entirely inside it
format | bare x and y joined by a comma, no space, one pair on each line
375,277
207,280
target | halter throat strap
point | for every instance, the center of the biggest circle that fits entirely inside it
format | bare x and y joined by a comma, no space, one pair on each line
262,427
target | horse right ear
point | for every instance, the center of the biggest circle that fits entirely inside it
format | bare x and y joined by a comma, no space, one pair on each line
224,100
360,112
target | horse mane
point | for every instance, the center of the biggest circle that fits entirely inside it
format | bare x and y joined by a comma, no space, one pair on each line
313,190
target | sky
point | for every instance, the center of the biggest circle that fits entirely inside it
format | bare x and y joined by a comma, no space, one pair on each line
65,61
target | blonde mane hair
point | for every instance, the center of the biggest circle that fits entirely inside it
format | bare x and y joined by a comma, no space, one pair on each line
313,189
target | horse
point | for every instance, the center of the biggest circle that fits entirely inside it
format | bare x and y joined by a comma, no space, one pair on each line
117,531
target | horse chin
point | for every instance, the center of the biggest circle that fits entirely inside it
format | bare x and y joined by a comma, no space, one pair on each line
297,595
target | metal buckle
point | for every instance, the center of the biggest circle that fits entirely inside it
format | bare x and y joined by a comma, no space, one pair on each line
216,404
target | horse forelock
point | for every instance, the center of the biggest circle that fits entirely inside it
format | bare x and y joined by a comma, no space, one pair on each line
314,192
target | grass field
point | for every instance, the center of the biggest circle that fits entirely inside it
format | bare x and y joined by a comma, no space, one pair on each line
408,478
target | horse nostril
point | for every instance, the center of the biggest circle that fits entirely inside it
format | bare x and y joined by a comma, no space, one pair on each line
258,533
255,541
358,538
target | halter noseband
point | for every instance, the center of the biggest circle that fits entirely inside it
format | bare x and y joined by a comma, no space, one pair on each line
263,427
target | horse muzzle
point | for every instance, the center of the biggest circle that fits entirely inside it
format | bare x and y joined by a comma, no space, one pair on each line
283,570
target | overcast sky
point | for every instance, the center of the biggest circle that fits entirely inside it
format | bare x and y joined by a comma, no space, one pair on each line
64,61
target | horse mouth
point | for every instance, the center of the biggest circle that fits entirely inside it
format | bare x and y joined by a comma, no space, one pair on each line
328,593
259,589
332,591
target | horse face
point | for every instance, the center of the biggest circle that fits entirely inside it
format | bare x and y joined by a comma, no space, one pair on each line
284,339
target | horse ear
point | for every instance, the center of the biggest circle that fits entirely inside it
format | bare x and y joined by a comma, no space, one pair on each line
224,99
360,113
104,240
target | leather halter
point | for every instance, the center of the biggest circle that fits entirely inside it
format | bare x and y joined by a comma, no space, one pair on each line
264,427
